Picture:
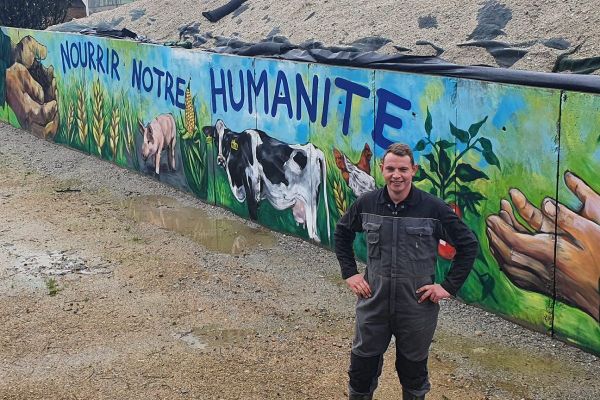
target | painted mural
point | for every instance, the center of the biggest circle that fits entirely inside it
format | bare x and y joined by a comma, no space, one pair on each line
498,281
292,145
29,95
577,210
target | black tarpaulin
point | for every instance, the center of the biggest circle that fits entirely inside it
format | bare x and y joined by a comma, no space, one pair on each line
417,64
279,47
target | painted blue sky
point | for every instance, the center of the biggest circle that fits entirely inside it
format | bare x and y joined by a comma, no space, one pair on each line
423,92
360,121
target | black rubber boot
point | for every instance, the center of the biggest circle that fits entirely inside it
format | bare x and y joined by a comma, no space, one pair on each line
409,396
360,397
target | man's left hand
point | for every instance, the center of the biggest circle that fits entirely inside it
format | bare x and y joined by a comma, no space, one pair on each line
434,293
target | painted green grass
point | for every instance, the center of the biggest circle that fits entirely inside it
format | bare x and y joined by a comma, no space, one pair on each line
4,112
223,195
127,155
194,153
10,117
574,326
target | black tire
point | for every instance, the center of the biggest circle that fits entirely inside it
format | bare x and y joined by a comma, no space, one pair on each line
218,13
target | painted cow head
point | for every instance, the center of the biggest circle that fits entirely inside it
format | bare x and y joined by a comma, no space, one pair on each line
222,135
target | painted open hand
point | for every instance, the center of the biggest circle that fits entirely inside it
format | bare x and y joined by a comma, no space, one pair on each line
31,89
526,254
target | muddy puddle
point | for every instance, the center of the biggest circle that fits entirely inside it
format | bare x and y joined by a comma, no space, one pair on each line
216,234
497,357
528,365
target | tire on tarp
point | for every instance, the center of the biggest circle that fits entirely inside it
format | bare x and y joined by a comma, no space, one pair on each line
218,13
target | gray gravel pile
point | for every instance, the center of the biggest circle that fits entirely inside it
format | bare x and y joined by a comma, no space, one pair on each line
542,35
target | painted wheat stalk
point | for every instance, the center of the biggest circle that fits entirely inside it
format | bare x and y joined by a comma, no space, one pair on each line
340,199
98,117
113,141
82,126
70,121
129,145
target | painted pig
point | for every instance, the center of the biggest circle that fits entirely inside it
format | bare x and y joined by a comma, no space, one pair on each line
159,134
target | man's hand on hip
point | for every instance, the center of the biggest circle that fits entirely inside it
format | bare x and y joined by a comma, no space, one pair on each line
434,293
359,286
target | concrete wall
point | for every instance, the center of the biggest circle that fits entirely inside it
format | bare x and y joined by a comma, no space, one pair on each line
519,164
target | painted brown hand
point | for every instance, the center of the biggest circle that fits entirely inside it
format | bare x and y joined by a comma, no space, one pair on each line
31,89
526,252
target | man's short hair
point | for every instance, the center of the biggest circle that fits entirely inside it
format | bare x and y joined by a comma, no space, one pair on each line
399,149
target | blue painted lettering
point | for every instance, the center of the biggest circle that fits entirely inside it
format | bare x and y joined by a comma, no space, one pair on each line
383,119
151,80
83,55
282,95
236,105
100,59
114,71
326,102
159,74
93,57
74,53
90,52
136,74
351,89
64,56
180,93
148,83
215,91
256,89
302,95
169,88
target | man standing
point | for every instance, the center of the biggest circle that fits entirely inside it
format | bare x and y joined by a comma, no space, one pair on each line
397,294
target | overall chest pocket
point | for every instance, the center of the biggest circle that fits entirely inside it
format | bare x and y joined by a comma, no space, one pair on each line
373,236
420,242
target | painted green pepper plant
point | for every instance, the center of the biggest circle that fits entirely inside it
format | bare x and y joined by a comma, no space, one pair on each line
447,172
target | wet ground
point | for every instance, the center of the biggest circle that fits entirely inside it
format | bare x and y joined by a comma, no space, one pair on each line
222,235
113,286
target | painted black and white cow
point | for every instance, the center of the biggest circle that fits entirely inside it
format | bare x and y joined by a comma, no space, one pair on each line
261,167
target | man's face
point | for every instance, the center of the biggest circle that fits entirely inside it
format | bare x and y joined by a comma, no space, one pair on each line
398,173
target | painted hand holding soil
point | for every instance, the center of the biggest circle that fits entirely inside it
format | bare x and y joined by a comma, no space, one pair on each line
31,89
526,254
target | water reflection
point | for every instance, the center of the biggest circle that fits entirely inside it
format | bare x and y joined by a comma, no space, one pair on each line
217,234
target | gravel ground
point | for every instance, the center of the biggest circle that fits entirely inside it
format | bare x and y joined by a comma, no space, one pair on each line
102,301
508,33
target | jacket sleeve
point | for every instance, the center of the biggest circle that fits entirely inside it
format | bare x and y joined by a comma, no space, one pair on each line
345,232
456,232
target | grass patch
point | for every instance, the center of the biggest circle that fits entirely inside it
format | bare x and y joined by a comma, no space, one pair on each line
52,287
137,239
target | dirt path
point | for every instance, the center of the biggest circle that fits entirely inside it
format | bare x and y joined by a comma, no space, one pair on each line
113,286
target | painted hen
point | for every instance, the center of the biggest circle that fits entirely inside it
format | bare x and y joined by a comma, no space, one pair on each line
357,176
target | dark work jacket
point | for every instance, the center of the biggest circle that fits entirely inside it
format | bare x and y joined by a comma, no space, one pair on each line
403,238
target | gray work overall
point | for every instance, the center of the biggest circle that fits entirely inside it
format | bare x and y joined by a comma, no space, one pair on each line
401,258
